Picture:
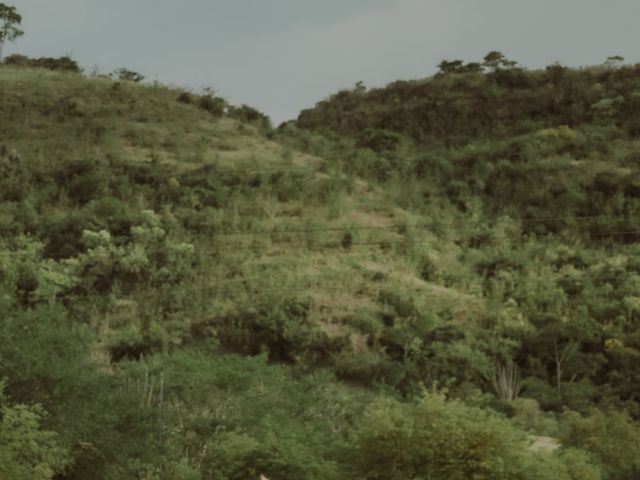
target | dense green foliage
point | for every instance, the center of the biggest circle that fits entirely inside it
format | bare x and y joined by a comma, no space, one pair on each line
412,282
463,105
434,438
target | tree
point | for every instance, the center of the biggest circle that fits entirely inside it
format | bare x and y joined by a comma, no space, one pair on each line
26,450
473,67
447,67
126,75
9,19
495,60
611,436
360,88
614,61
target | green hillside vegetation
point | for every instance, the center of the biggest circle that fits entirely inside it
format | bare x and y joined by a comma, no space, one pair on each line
410,282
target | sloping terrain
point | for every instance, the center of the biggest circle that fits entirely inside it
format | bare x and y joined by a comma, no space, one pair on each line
138,194
188,293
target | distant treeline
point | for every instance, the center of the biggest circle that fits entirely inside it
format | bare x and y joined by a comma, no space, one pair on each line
493,100
51,63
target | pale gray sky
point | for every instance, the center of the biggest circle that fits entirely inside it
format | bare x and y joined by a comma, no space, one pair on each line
284,55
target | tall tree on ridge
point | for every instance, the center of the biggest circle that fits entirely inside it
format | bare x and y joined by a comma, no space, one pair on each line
9,21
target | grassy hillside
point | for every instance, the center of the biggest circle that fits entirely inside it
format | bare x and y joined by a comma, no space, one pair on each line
204,202
189,293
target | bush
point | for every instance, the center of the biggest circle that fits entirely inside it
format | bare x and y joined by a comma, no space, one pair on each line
526,413
125,75
17,60
26,451
214,105
368,368
248,114
439,439
185,97
379,140
65,63
50,362
282,329
613,437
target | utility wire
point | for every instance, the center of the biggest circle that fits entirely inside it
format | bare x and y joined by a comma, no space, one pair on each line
214,249
381,243
369,287
398,226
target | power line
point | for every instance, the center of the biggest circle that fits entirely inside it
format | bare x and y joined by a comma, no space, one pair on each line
279,168
383,243
403,227
219,168
227,294
250,284
400,226
328,246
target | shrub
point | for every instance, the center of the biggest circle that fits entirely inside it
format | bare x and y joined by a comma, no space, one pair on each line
439,439
632,159
526,413
65,63
50,362
185,97
214,105
126,75
282,329
367,368
379,140
26,451
17,60
248,114
347,239
613,437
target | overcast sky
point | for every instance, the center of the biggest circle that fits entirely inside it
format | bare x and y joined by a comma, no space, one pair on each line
284,55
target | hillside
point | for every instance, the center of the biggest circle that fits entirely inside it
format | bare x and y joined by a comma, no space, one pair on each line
108,162
190,293
461,105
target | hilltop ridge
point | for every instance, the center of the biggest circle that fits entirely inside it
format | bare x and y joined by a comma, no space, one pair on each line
458,107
